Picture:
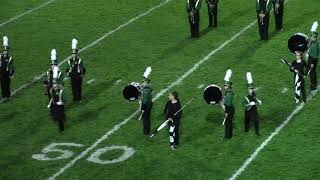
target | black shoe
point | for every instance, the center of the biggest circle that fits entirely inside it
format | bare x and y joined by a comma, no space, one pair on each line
258,134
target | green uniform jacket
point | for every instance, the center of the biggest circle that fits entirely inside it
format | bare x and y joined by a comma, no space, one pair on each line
147,96
197,8
314,50
228,99
269,5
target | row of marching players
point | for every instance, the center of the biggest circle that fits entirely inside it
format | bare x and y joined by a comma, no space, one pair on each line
173,109
263,9
54,80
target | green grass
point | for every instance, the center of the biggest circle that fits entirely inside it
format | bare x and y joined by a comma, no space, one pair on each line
161,40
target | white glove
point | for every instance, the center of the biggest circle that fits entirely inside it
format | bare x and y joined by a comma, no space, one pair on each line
259,101
252,103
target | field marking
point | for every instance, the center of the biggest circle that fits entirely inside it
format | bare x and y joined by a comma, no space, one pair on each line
266,141
25,13
257,88
91,81
90,45
161,93
284,90
118,82
200,86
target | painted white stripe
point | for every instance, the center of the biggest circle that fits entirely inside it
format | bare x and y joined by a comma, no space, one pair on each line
257,88
118,82
25,13
200,86
284,90
91,81
94,43
266,141
157,96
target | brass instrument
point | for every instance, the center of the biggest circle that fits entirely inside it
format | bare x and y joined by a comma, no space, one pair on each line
261,16
277,5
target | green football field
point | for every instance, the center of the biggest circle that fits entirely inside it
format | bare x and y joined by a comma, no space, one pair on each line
118,39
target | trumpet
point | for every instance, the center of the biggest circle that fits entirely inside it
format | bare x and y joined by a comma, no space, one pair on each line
261,16
192,16
277,5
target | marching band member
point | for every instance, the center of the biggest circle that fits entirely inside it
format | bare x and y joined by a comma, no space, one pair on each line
313,54
228,105
172,107
278,13
146,101
56,103
299,69
193,9
47,83
75,70
250,103
263,13
6,69
212,12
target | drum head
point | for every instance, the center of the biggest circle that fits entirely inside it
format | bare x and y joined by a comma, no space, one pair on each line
212,94
298,42
131,93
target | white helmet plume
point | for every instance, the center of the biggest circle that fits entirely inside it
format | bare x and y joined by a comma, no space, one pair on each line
314,26
249,78
147,72
5,41
74,44
53,55
228,75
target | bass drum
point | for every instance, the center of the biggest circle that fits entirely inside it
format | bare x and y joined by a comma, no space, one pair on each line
132,92
212,94
298,42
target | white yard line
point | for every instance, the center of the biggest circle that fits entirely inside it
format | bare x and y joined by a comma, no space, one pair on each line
118,82
284,90
25,13
91,81
157,96
267,141
200,86
257,88
92,44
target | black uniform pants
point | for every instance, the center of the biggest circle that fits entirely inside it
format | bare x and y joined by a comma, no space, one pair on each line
146,119
5,85
279,17
228,123
313,73
251,115
194,24
213,15
57,112
176,131
264,26
302,96
76,83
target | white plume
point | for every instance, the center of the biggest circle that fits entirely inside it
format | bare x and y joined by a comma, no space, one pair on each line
74,44
53,55
228,75
147,72
5,41
314,26
249,78
55,72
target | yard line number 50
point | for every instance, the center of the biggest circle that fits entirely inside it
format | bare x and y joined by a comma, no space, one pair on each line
55,148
